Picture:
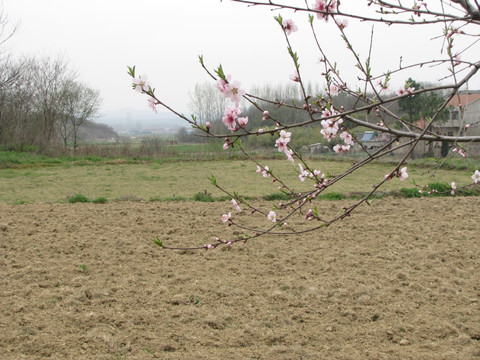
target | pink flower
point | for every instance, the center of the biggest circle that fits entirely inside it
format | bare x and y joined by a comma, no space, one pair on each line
234,92
456,59
341,148
285,135
226,217
476,176
382,83
226,146
283,140
230,116
326,113
405,90
208,125
265,171
289,153
403,173
221,84
454,188
236,206
309,215
330,126
303,173
153,104
281,144
295,77
242,121
141,83
347,138
322,7
289,26
272,216
460,151
333,90
342,22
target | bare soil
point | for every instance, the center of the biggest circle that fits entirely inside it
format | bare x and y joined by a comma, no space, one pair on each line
398,280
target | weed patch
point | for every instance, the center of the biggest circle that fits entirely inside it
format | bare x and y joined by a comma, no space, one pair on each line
78,198
203,196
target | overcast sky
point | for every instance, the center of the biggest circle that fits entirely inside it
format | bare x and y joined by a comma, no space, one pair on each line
163,38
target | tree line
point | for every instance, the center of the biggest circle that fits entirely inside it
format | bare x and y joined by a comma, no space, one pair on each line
42,104
208,104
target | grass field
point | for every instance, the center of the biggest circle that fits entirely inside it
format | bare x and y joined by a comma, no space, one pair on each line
42,179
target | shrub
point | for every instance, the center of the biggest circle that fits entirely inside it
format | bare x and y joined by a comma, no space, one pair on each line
277,196
410,193
78,198
203,196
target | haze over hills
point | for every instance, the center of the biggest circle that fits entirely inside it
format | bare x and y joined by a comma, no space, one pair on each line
129,120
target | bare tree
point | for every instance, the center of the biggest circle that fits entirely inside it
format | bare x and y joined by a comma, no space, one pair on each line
49,75
79,104
207,104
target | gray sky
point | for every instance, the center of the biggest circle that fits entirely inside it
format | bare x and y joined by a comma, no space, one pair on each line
164,37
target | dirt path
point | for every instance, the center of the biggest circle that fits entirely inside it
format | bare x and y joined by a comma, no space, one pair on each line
398,280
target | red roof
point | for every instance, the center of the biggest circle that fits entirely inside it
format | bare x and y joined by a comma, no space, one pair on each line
464,99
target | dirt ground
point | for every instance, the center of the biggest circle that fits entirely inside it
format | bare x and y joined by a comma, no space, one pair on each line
398,280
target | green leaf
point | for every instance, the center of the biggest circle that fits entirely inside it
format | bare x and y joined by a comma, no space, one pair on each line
158,242
131,71
200,58
279,20
310,19
220,73
213,180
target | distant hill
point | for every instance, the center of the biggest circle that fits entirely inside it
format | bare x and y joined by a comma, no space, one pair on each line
134,119
94,132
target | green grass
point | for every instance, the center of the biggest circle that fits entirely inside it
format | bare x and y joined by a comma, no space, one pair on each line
437,189
12,158
121,180
332,196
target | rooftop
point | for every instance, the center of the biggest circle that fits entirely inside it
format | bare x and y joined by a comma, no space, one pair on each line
464,98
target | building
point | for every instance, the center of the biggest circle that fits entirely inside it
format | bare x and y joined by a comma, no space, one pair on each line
468,104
